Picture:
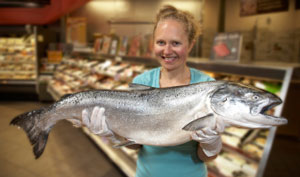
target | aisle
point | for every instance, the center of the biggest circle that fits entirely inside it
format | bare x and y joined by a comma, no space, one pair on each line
68,152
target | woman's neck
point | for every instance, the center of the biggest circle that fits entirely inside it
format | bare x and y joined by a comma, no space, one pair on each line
170,78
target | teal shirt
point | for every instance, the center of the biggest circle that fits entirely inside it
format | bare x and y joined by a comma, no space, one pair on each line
173,161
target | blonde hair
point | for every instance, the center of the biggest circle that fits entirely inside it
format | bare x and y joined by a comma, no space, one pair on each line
191,26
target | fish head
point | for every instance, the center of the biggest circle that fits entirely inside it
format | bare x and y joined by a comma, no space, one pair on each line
245,106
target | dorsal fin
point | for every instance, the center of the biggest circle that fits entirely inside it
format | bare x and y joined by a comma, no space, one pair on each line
134,86
65,96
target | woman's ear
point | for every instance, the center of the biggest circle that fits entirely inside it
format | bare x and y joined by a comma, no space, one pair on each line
191,45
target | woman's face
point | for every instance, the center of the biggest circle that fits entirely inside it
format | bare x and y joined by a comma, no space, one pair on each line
171,46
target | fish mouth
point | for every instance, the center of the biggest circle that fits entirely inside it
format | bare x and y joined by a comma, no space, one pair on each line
268,107
264,115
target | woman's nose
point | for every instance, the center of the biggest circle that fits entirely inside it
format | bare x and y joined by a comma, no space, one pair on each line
168,49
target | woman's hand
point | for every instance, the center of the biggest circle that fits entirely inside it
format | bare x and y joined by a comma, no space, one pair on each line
96,122
210,143
204,157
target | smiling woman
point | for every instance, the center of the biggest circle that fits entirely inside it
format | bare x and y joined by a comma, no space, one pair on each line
171,45
174,35
175,32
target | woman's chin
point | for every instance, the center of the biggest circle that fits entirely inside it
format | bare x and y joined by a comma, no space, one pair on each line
170,65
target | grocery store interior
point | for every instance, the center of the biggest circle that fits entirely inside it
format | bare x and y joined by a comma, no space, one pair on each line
50,48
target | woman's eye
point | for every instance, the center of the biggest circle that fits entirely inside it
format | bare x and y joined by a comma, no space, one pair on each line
175,43
160,42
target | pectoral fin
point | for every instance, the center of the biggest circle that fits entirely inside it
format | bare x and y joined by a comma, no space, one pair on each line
125,143
198,123
75,121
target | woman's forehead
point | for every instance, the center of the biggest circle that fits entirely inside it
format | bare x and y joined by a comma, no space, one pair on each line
170,27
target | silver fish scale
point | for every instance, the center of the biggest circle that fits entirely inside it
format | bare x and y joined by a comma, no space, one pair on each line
158,116
152,116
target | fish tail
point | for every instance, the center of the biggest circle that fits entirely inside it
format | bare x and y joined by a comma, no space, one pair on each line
37,135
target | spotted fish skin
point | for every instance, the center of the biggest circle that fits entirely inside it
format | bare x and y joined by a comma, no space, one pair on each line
156,116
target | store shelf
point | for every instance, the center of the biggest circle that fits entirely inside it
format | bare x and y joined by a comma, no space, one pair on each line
122,160
17,86
260,70
17,72
53,92
278,73
240,152
18,62
151,62
212,172
17,82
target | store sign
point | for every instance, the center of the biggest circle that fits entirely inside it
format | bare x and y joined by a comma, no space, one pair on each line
76,31
227,47
255,7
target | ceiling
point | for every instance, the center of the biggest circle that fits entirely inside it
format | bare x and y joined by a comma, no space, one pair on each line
35,12
24,3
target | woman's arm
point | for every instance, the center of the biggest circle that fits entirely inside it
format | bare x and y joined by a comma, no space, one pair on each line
203,157
134,146
209,144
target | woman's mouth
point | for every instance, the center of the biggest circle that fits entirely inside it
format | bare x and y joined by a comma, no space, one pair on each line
169,59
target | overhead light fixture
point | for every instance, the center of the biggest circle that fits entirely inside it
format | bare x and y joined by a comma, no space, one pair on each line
24,3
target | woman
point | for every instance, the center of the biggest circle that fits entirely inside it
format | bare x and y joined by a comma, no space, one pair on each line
174,35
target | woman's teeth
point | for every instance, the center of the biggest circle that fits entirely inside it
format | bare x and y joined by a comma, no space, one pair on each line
169,58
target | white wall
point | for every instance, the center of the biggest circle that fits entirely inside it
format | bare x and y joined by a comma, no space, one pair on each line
210,25
278,30
98,14
276,36
277,21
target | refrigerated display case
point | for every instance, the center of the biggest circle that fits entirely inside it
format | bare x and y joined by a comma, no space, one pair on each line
245,152
18,59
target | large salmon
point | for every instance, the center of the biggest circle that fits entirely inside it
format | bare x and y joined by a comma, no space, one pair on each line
158,116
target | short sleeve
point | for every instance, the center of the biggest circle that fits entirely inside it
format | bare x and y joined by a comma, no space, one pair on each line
149,78
198,76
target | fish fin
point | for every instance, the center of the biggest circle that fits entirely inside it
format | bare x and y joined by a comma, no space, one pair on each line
134,86
197,124
125,143
65,96
37,137
75,122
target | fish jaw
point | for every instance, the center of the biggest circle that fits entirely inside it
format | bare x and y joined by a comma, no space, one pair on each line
258,113
245,117
245,106
258,121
